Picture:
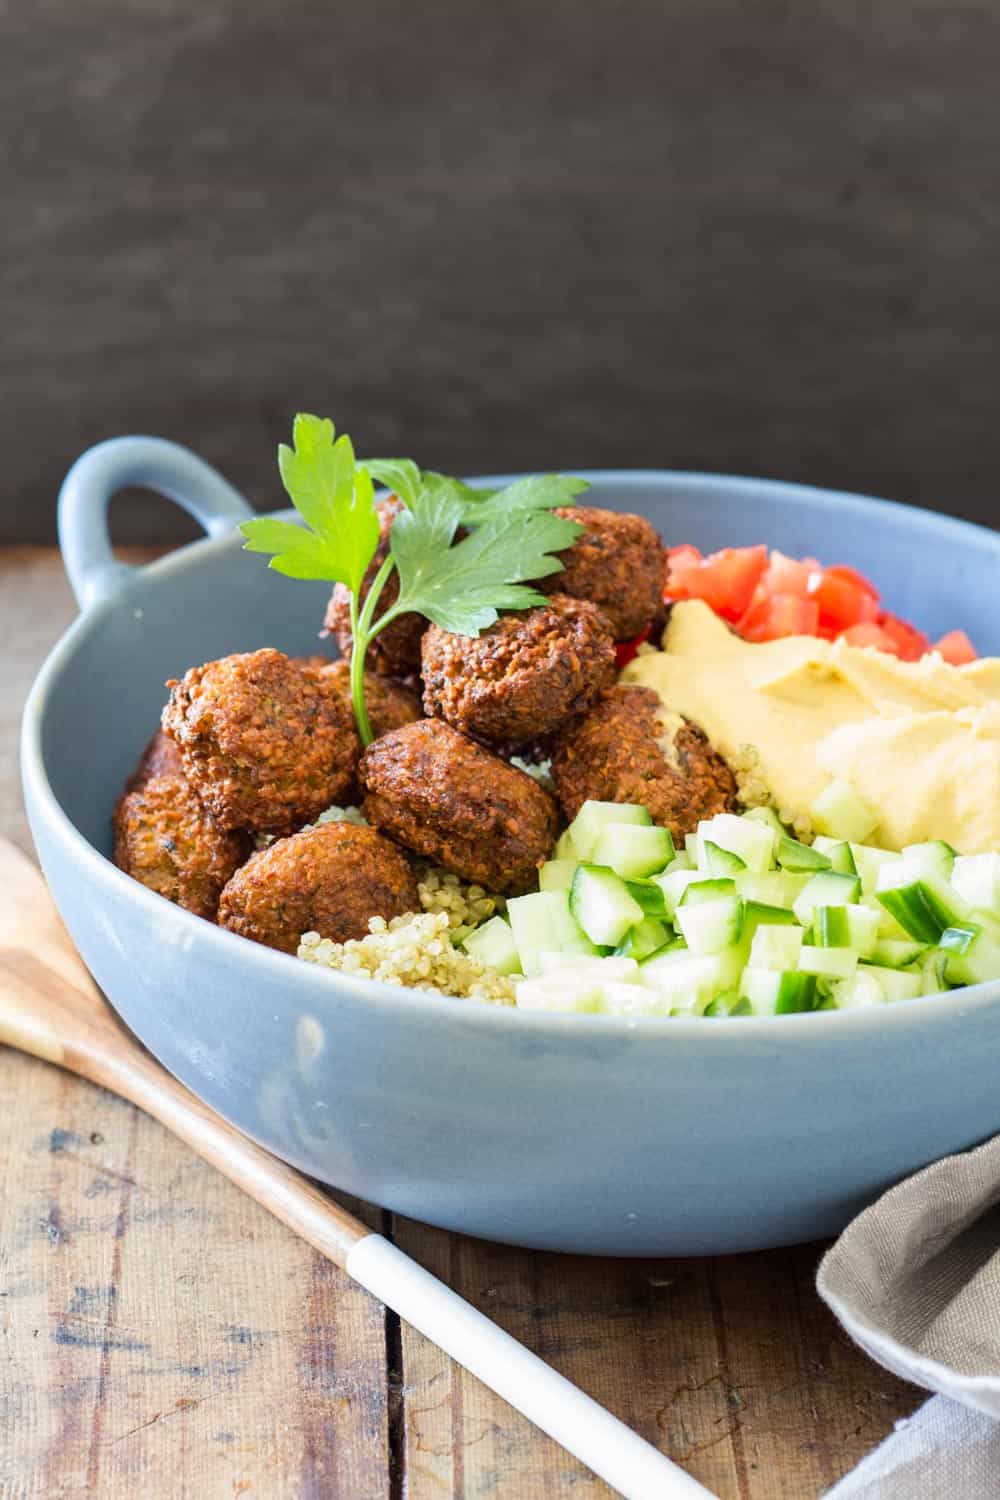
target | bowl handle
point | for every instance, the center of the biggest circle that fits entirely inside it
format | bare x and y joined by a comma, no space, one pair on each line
94,571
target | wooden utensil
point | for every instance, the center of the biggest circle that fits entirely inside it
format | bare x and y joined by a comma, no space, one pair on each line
50,1006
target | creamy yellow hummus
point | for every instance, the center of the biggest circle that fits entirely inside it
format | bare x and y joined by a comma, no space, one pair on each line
919,741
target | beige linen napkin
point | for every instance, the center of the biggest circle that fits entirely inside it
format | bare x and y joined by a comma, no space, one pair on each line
915,1280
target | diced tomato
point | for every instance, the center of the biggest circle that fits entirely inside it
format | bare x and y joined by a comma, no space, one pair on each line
725,580
956,648
867,634
680,561
851,575
844,599
789,575
910,644
626,651
776,615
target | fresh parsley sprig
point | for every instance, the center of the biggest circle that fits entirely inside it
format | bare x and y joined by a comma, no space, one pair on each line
513,538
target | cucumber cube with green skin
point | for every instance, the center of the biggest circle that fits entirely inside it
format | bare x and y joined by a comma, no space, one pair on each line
923,906
716,1007
633,851
633,1000
689,979
711,926
752,841
935,855
557,874
894,953
846,927
868,861
972,951
681,861
771,887
841,812
493,945
608,969
770,817
858,993
838,852
600,902
720,862
774,947
825,889
976,878
560,993
673,885
701,890
800,857
934,972
543,923
644,940
741,1007
649,896
776,993
565,848
593,817
828,963
897,984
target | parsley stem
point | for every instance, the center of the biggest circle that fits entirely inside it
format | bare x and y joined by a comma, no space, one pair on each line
362,633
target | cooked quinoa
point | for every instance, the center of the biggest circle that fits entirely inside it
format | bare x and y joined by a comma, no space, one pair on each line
415,950
753,792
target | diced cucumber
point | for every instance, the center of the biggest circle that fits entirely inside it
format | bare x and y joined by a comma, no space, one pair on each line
681,861
868,860
718,861
771,887
645,939
557,874
649,896
600,901
633,1000
593,817
846,927
702,890
608,969
493,945
776,993
756,914
752,841
828,963
858,993
633,851
973,953
689,980
976,878
716,1007
710,926
560,991
770,817
543,923
741,1007
825,889
897,984
673,886
934,972
935,856
565,848
776,947
896,953
921,902
800,857
692,848
842,813
838,852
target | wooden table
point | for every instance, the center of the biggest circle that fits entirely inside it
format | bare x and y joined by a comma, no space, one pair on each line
163,1337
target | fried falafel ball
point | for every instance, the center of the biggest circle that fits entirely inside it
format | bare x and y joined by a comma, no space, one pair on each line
390,703
267,743
329,879
525,676
161,757
439,793
628,749
618,562
166,839
396,651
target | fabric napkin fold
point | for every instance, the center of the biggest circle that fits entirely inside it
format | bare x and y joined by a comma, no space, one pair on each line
915,1280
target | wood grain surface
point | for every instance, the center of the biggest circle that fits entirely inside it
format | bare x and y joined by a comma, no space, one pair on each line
695,233
162,1336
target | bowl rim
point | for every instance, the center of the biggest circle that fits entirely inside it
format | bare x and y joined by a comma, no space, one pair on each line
328,984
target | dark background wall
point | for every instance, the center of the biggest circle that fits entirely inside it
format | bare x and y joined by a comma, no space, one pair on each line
756,236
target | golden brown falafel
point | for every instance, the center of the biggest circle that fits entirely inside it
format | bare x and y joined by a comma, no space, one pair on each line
329,879
161,757
390,703
523,677
628,749
166,839
396,651
618,562
449,799
266,742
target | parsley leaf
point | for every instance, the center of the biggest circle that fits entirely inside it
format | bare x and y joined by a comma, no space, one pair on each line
400,475
462,587
333,496
535,492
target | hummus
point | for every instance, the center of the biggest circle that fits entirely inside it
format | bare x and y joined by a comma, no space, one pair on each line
919,741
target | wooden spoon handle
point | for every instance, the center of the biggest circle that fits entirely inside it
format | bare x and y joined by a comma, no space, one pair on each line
50,1006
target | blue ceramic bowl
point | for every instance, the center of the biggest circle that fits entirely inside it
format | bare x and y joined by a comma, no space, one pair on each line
582,1133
